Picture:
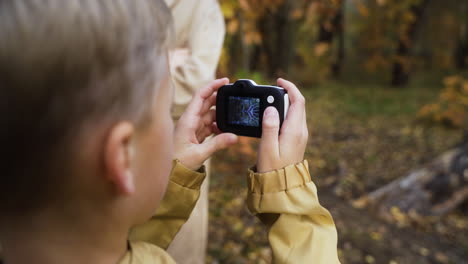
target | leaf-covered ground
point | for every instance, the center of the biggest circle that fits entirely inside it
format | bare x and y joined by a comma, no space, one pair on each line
362,137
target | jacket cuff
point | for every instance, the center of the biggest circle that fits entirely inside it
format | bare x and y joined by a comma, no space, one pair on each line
186,177
284,179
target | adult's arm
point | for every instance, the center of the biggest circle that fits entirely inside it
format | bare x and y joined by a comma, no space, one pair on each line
204,45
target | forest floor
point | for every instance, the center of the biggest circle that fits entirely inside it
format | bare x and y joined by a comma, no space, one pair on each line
362,137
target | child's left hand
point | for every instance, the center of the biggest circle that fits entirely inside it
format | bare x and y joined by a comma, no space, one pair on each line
196,124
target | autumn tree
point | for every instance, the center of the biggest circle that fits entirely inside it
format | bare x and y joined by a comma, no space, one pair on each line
252,34
277,32
331,27
307,40
411,21
461,50
278,37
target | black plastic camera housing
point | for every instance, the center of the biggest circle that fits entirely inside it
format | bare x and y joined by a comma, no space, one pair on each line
240,106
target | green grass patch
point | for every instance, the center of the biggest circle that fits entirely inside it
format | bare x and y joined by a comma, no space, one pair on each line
370,99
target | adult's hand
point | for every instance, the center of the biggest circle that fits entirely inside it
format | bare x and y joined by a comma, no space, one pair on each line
191,146
278,150
178,58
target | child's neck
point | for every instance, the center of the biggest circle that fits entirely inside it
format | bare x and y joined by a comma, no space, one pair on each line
49,240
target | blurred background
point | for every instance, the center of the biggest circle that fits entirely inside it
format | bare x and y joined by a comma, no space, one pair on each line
386,83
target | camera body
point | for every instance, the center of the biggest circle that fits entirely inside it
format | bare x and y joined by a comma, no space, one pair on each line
240,106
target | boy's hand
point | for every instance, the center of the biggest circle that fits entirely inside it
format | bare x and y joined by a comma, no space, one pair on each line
278,151
196,124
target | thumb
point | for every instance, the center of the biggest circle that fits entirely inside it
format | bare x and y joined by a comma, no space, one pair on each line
218,142
270,130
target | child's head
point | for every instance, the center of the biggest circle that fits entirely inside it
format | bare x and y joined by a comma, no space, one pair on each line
86,101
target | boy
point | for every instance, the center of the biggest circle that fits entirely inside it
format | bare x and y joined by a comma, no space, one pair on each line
89,141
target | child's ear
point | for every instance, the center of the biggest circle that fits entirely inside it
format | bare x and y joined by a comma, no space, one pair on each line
118,157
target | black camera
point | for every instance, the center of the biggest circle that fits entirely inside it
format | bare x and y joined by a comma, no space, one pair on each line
240,106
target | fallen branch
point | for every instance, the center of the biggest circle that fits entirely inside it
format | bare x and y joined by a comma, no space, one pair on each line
432,191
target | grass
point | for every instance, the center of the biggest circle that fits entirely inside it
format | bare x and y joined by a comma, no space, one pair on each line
370,99
367,135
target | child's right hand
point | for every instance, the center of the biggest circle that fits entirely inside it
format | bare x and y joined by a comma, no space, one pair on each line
278,151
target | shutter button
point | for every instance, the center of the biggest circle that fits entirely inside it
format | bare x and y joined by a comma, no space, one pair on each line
270,99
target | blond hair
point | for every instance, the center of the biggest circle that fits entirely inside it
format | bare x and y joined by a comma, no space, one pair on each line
64,64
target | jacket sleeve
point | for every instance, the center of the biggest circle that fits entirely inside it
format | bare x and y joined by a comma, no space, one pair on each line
182,193
205,42
300,229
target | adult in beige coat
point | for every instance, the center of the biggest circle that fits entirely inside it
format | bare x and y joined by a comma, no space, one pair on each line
199,36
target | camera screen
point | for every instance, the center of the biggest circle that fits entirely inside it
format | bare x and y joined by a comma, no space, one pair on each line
244,111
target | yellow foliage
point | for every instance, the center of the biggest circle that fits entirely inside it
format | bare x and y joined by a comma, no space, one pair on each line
360,203
452,81
228,8
253,37
424,251
233,26
465,87
249,231
381,2
442,258
400,217
297,14
376,236
321,48
452,105
244,4
370,259
362,8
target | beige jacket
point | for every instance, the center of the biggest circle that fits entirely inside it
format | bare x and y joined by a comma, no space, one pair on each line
200,30
300,229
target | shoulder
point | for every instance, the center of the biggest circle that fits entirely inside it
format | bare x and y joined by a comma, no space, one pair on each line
146,253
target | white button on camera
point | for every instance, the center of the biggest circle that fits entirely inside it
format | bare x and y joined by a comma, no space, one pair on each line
270,99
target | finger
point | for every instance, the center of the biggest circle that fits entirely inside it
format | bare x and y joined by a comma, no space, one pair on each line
198,123
270,130
218,142
208,103
295,96
213,87
199,98
215,128
209,117
204,133
295,118
189,122
305,118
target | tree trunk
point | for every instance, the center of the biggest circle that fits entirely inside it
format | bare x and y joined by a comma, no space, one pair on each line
461,51
266,27
255,64
285,38
331,28
432,191
340,31
237,49
277,31
401,67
